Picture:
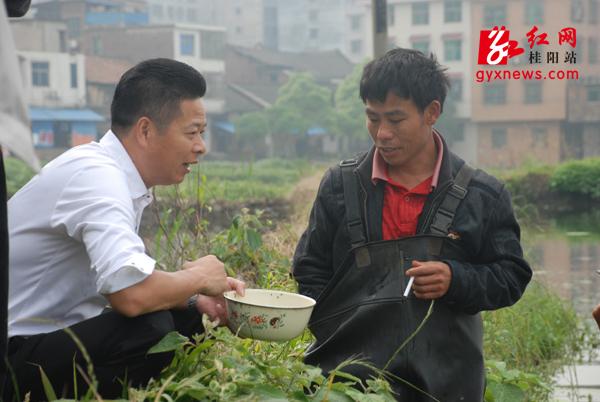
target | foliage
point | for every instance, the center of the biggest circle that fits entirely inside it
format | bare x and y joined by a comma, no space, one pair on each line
241,182
579,177
217,366
349,107
301,104
252,129
17,174
538,335
510,385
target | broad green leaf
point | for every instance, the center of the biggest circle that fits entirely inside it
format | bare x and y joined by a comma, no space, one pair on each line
172,341
506,392
268,393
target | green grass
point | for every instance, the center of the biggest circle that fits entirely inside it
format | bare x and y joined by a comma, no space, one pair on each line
237,182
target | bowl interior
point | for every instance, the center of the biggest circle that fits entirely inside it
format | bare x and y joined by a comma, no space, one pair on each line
271,298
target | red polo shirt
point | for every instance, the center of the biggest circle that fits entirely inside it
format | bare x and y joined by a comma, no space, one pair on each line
402,206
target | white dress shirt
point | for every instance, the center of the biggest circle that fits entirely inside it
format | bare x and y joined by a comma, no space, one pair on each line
73,237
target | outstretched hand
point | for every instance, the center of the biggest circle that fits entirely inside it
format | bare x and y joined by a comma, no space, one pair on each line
214,306
432,279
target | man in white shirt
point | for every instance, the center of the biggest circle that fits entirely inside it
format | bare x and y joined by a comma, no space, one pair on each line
74,246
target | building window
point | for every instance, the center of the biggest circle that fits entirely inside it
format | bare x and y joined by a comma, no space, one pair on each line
494,93
533,92
157,11
238,30
452,50
391,18
420,13
73,75
534,12
313,33
62,39
355,21
452,11
192,15
494,15
422,46
540,137
356,46
74,27
186,44
238,11
593,11
212,45
577,10
313,15
593,50
498,138
593,93
456,89
40,72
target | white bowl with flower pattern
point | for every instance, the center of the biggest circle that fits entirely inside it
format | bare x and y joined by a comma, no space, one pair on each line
271,315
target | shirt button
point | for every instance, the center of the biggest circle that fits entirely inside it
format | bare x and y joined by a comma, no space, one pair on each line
407,198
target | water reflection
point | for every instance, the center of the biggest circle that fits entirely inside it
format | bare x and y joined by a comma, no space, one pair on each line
565,256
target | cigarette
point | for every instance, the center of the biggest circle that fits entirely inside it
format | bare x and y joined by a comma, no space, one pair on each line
410,282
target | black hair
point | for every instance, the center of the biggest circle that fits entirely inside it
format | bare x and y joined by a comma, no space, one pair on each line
407,73
154,88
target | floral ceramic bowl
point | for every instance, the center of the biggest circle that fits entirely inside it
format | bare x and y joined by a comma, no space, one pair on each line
270,315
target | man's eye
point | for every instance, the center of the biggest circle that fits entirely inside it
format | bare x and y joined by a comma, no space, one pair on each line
395,121
372,120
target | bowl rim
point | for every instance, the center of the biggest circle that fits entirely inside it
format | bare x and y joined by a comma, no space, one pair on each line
230,295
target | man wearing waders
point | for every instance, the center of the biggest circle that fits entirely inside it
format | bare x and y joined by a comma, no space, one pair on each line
408,208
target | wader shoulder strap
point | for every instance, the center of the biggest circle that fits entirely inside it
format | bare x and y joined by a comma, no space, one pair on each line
351,200
445,213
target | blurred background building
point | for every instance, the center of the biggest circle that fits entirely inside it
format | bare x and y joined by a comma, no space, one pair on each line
72,53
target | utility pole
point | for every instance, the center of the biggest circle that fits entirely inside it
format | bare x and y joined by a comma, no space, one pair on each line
380,36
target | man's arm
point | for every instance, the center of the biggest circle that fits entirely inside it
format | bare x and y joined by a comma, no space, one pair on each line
497,282
164,290
596,315
312,263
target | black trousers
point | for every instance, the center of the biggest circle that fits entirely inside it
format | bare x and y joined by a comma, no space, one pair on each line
117,347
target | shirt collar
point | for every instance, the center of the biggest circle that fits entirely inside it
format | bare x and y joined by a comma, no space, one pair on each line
117,151
380,167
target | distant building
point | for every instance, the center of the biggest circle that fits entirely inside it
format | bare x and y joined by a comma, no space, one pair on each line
102,76
444,29
545,120
202,12
202,47
79,14
54,85
255,75
301,26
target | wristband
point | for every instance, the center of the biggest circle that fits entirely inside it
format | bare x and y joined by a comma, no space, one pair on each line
191,303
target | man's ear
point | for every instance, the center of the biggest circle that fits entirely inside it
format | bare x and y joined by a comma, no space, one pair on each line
432,112
143,130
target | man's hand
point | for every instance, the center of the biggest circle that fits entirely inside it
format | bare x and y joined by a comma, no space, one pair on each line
214,306
212,275
596,314
432,279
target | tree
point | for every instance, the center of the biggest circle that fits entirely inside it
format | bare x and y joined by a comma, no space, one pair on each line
251,130
350,111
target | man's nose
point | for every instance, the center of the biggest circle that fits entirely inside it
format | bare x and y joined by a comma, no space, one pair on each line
199,147
384,132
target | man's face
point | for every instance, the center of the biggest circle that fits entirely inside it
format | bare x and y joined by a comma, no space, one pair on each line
398,129
172,151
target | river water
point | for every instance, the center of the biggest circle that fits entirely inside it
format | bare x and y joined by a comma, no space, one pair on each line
565,255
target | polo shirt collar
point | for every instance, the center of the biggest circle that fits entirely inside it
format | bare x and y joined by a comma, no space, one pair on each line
116,150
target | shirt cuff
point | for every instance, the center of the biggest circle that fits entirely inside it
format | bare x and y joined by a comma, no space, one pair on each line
137,268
